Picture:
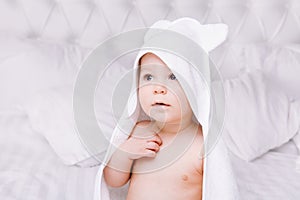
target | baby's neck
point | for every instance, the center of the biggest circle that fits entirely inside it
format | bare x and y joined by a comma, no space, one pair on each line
174,128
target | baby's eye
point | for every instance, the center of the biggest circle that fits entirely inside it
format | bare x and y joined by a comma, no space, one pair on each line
148,77
172,77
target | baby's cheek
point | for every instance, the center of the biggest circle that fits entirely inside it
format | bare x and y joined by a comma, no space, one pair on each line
143,94
144,99
183,103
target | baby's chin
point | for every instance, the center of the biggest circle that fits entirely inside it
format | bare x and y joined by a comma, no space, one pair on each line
164,118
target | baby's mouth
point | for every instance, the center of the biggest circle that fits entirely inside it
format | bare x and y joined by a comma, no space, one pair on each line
160,104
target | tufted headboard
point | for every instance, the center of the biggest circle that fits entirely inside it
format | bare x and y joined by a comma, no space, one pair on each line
256,27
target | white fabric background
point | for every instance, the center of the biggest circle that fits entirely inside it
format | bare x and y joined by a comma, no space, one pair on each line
263,34
85,23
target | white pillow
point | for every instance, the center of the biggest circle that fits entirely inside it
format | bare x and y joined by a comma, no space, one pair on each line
283,68
239,58
296,138
51,114
27,66
259,117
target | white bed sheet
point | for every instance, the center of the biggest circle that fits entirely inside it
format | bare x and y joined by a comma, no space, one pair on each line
30,170
273,176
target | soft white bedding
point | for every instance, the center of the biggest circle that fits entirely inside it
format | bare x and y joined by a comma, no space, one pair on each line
274,176
29,168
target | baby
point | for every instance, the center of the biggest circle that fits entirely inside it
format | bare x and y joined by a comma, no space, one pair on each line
162,98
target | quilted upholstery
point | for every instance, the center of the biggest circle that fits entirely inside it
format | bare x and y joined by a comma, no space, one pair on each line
263,23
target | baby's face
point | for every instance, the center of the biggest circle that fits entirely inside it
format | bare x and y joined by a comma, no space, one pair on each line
160,94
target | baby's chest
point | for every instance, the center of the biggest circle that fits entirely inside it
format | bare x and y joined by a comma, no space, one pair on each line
182,172
185,169
183,164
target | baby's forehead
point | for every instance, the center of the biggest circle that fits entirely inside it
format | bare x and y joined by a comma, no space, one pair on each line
151,58
156,69
150,61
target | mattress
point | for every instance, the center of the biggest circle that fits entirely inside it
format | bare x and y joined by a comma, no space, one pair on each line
275,175
29,168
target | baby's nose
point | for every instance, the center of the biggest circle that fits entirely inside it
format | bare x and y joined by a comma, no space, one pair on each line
159,89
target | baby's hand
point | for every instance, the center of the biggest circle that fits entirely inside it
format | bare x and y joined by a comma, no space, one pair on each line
143,142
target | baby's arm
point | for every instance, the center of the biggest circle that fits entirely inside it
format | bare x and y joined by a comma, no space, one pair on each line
138,145
117,172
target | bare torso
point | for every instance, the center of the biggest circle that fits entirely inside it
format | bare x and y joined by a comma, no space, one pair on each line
180,180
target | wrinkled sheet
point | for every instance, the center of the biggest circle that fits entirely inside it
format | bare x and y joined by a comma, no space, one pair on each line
274,176
29,168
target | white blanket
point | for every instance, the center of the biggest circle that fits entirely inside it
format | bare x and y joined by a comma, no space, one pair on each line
30,169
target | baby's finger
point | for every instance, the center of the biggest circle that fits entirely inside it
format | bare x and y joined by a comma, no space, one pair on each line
156,139
150,153
152,146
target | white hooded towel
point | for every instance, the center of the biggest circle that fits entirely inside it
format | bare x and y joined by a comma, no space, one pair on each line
218,178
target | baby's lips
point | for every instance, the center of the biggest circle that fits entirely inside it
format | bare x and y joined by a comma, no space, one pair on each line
160,103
